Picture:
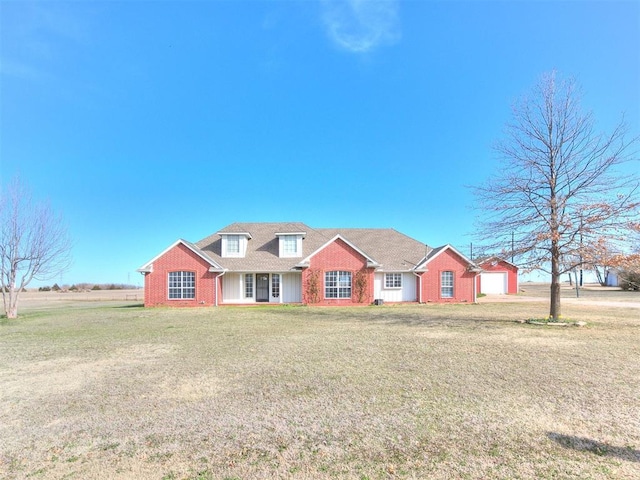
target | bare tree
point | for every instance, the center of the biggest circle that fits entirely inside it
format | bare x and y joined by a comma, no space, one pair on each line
33,244
558,187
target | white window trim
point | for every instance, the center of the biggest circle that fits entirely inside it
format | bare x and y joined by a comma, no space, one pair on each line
235,241
253,285
282,239
242,245
338,287
182,287
443,286
289,245
395,274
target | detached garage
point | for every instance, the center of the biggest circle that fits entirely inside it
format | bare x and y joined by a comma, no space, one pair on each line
498,277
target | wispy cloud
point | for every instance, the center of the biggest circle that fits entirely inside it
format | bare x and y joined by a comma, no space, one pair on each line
23,71
34,34
360,26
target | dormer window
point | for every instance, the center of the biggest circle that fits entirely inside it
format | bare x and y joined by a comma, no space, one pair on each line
290,244
234,244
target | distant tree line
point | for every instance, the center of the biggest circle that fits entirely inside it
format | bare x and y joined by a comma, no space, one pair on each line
83,287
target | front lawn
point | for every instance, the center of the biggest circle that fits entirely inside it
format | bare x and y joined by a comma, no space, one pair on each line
435,391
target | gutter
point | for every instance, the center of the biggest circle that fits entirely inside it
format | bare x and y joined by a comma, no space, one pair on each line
475,287
419,284
477,270
216,285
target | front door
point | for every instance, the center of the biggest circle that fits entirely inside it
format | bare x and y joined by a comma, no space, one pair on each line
262,287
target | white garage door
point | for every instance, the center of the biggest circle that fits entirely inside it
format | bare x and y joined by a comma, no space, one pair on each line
494,282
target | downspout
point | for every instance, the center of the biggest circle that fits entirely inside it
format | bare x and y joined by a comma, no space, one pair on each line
477,272
475,286
419,286
216,292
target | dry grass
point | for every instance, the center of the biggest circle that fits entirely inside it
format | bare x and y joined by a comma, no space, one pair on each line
460,391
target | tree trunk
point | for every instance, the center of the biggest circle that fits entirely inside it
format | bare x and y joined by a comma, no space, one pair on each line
554,307
11,303
554,310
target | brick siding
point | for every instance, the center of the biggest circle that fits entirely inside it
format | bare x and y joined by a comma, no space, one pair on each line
337,256
463,280
179,258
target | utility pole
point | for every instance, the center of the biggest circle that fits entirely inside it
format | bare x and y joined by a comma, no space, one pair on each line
580,250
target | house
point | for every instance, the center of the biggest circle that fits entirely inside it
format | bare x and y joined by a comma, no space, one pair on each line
612,278
251,263
498,276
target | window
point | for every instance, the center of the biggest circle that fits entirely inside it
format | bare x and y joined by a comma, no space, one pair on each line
337,284
446,284
248,285
233,244
392,280
275,285
182,285
289,245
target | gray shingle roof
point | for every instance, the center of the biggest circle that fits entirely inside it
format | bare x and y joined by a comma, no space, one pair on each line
393,250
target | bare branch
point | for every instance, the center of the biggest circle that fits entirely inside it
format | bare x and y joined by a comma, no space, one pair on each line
33,244
558,188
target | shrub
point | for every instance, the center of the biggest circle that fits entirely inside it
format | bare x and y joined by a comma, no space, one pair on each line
630,280
361,285
313,286
44,289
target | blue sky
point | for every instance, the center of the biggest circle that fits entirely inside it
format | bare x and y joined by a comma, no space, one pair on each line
143,122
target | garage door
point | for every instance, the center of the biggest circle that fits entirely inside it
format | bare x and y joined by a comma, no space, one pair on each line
493,283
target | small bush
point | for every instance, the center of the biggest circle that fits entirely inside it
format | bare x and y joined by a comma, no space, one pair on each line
44,289
96,287
629,280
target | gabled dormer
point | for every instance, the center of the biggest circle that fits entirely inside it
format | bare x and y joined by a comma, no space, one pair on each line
290,244
234,244
370,262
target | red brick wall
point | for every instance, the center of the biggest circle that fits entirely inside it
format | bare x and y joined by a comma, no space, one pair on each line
502,266
463,280
337,256
179,258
